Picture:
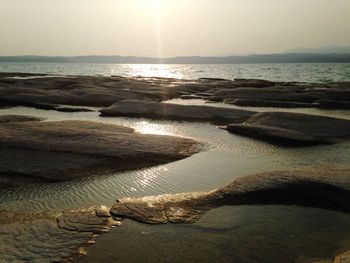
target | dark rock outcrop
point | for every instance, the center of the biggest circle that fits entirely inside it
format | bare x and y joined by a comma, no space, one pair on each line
334,104
157,110
293,129
64,150
18,118
323,189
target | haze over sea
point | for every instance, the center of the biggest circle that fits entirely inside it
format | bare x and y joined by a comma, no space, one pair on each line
303,72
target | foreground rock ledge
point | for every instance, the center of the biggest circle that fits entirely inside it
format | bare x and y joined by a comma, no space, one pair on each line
64,150
51,236
157,110
323,189
294,129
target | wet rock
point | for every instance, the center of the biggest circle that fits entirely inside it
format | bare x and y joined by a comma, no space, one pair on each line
60,108
51,236
333,104
40,90
204,94
64,150
157,110
215,79
327,189
259,83
269,103
18,118
102,211
275,94
276,135
191,97
294,129
342,258
91,91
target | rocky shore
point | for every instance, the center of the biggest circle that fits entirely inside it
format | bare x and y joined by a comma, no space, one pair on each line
65,150
69,232
33,149
48,91
323,189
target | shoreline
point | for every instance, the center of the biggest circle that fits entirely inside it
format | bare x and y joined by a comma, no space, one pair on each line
55,92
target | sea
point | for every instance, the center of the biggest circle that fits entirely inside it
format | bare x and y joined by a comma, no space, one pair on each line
303,72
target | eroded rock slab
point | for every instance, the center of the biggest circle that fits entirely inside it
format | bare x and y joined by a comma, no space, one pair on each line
65,150
158,110
323,189
50,236
294,129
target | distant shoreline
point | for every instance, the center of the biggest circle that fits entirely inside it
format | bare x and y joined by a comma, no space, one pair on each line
242,59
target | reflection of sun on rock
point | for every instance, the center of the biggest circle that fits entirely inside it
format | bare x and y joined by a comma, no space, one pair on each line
64,150
323,189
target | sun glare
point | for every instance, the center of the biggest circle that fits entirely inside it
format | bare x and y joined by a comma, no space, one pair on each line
158,26
145,127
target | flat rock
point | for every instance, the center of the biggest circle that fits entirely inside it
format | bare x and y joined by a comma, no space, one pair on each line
35,90
50,236
316,188
294,129
157,110
270,103
64,150
272,93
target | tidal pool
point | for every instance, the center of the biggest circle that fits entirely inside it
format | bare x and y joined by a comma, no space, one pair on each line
239,234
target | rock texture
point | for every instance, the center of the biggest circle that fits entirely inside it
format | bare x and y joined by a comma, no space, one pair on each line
158,110
65,150
342,258
17,118
284,95
269,103
43,91
293,129
50,236
324,189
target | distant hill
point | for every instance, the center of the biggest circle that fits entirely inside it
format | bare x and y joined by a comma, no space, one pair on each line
237,59
322,50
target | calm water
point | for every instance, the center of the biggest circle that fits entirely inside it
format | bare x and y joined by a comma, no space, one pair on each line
239,234
307,72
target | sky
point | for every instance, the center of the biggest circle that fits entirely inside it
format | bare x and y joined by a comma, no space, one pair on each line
167,28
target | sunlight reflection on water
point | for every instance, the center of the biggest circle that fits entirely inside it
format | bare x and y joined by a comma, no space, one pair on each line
161,70
144,127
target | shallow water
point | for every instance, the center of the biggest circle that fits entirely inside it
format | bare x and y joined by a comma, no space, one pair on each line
246,233
304,72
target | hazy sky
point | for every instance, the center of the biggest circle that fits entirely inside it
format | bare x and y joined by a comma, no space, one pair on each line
170,27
